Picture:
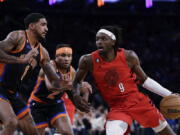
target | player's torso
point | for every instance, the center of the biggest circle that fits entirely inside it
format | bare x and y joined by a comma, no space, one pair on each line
115,79
11,74
42,94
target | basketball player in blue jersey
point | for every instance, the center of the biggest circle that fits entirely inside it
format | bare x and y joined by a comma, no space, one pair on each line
47,107
22,54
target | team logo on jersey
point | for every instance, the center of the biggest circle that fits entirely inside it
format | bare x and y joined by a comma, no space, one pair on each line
97,60
111,77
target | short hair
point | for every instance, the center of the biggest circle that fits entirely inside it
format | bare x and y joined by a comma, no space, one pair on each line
63,45
117,31
32,18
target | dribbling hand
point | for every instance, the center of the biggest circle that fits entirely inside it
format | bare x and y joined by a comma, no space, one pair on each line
81,104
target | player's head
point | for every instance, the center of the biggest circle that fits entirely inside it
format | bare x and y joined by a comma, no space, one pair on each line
108,37
64,56
37,23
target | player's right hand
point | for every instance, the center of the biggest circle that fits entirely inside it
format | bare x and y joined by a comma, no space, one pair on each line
29,57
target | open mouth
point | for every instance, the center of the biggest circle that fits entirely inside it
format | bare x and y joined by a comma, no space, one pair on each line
100,47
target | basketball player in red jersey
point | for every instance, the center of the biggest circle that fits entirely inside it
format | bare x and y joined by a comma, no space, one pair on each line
47,107
22,55
116,72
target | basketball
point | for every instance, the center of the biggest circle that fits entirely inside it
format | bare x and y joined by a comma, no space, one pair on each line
170,106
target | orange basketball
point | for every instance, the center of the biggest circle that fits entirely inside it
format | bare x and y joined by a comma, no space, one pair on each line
170,106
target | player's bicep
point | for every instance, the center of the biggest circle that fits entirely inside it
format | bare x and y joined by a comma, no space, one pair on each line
47,81
82,69
135,66
11,41
44,56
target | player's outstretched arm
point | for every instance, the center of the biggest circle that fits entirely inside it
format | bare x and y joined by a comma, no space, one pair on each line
12,42
147,82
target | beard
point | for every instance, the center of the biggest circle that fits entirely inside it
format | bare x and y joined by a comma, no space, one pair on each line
42,40
39,37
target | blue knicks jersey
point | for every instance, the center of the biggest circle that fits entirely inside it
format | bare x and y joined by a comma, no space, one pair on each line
10,77
43,95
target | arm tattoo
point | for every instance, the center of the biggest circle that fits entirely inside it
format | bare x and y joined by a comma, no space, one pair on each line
12,40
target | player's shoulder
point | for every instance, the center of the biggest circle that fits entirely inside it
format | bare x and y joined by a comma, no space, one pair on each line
86,57
86,62
131,58
17,34
130,54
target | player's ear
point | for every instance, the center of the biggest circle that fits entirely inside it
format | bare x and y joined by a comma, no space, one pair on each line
113,42
31,26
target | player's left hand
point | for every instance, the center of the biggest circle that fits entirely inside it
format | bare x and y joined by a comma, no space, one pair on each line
81,103
85,87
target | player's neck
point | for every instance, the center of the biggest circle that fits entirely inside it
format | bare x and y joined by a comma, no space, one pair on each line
62,70
32,38
108,56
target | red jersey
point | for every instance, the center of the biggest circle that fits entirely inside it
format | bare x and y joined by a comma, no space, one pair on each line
117,84
115,80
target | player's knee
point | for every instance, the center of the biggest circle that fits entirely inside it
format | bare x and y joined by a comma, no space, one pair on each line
11,123
116,127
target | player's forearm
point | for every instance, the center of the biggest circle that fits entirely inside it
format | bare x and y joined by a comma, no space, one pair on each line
51,75
76,86
155,87
9,59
